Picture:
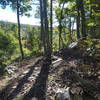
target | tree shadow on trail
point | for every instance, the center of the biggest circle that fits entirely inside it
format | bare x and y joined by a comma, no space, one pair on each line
39,88
5,94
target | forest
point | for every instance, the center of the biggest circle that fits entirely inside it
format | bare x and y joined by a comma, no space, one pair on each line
59,59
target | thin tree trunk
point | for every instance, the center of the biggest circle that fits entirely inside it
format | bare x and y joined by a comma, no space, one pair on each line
92,28
19,34
42,25
70,24
78,19
45,30
47,38
83,19
60,26
51,23
41,16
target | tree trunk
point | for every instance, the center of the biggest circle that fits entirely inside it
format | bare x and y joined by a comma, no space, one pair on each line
45,29
19,34
42,24
70,31
46,32
60,26
41,16
51,23
78,19
92,28
83,19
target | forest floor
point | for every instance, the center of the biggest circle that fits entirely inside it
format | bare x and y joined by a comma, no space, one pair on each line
32,78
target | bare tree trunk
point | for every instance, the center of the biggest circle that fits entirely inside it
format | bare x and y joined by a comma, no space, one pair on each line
46,32
78,19
92,28
83,19
51,23
41,16
70,32
60,26
42,24
19,34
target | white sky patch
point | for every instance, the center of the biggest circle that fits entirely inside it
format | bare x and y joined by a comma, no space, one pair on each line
10,16
29,20
7,15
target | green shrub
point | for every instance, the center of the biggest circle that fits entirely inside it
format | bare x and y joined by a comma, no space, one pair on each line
7,47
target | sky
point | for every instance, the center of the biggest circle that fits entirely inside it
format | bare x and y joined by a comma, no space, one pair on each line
10,16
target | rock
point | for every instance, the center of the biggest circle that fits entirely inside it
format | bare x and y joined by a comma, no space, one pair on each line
34,98
25,72
11,69
72,45
63,94
77,90
57,62
31,78
14,87
54,58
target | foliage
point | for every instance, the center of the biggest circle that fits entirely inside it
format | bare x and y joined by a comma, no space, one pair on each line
90,47
8,44
25,6
26,51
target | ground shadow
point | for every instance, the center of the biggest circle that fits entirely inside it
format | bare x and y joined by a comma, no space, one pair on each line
4,95
5,92
39,88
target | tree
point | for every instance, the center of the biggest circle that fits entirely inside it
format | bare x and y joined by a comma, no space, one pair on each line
83,19
51,21
60,24
19,34
45,29
78,19
60,16
21,7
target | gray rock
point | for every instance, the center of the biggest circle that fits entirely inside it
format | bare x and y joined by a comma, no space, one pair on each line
74,44
63,94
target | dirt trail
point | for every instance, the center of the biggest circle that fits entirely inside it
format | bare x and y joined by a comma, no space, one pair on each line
25,77
43,81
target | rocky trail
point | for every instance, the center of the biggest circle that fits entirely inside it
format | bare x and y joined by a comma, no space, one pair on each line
33,79
21,81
